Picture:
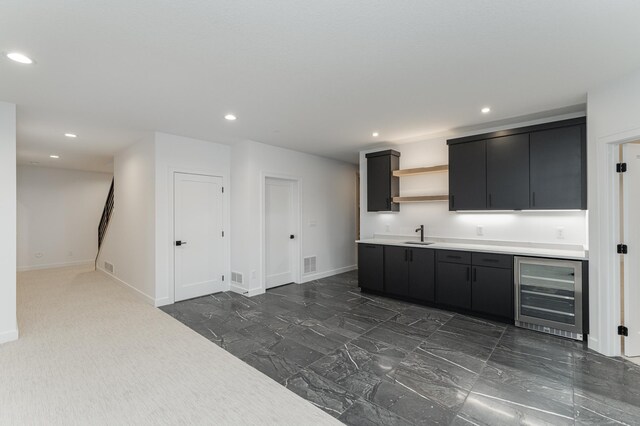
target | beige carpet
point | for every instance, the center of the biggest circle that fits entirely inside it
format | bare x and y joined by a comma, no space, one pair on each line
90,353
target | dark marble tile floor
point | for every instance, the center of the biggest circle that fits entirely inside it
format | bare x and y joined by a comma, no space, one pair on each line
369,360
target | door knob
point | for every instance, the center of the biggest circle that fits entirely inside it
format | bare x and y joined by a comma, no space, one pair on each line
180,243
291,237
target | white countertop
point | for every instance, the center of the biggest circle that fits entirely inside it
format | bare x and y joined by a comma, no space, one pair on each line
527,250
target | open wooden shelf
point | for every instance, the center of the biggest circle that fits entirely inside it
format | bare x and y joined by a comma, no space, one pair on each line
421,170
420,198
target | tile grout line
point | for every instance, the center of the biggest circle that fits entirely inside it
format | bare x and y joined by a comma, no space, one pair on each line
480,373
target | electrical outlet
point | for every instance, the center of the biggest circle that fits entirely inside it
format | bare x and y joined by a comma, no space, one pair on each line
39,255
480,230
560,233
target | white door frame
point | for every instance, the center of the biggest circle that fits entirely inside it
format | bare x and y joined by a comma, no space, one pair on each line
627,300
605,299
297,210
170,237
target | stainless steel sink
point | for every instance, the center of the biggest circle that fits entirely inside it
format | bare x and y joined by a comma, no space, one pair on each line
419,243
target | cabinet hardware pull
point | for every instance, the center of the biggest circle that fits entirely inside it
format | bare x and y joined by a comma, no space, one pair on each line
453,201
405,255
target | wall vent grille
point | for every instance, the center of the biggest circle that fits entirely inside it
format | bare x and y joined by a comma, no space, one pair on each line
108,267
236,277
310,265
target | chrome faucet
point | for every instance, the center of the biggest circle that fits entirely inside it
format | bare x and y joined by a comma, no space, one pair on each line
421,230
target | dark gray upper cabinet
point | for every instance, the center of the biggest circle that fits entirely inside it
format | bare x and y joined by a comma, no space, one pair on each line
468,176
508,173
535,167
382,186
558,168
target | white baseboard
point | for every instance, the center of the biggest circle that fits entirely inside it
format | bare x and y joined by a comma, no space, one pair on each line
163,302
255,292
237,289
140,295
8,336
56,265
305,279
325,274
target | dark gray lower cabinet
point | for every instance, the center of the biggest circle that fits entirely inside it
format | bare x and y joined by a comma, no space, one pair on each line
422,274
472,281
453,285
492,291
371,267
396,270
409,272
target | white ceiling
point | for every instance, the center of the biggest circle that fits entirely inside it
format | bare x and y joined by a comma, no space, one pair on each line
318,77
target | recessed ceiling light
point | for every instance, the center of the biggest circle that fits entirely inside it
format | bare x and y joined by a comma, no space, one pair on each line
230,117
19,57
54,156
485,110
71,135
375,134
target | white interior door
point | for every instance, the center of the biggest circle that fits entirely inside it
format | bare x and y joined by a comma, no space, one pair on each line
199,247
280,231
631,197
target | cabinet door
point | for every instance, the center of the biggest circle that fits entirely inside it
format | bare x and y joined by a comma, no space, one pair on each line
378,184
467,176
422,274
558,169
508,173
396,270
453,285
370,267
492,291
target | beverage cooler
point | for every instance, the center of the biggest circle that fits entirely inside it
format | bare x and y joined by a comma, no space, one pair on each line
549,296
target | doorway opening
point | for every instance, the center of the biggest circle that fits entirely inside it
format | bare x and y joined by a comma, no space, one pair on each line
281,231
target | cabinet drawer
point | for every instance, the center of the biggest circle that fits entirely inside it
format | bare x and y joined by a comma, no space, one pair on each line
454,256
494,260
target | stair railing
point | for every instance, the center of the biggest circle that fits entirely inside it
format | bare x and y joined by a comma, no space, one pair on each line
104,220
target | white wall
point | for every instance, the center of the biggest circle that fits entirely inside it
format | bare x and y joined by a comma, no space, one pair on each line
130,239
328,210
8,323
613,117
58,215
530,227
180,154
